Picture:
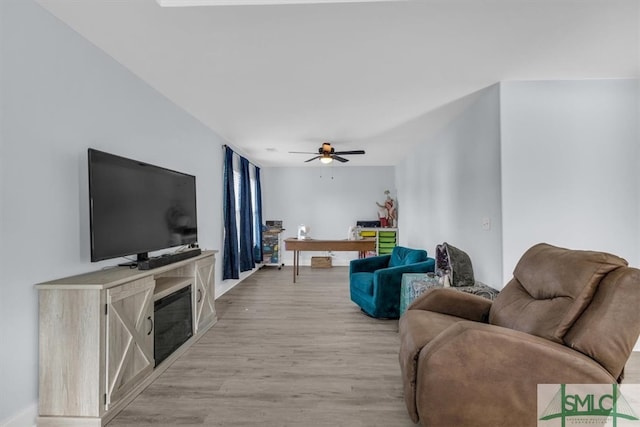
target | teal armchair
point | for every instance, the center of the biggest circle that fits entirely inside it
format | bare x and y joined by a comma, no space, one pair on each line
374,282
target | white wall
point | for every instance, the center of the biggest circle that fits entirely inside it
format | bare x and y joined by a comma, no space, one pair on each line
450,183
329,199
60,95
570,167
637,91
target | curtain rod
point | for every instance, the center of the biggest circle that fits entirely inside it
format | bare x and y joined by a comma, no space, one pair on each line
235,152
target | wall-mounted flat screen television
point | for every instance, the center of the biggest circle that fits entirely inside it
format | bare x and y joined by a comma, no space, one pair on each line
137,208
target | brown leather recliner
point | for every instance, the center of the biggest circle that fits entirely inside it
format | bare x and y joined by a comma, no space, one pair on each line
566,317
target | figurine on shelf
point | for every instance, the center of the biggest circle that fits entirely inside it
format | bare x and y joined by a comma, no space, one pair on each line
390,205
382,215
387,211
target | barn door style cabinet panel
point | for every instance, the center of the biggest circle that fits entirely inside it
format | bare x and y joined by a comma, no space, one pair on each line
129,333
99,335
204,309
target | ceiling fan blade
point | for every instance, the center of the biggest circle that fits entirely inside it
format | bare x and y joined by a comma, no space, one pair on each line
349,152
312,159
340,159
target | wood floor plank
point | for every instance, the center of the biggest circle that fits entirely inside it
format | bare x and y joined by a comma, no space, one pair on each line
285,354
632,370
282,354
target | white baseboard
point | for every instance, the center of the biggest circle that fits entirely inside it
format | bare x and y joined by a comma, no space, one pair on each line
226,285
26,418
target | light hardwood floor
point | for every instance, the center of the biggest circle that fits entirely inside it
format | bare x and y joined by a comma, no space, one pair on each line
285,354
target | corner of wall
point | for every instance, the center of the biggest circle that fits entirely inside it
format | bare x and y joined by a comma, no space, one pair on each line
26,418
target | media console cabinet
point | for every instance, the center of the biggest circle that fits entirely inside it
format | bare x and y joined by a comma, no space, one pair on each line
97,340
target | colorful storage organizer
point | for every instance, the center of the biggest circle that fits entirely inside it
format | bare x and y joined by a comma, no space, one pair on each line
386,239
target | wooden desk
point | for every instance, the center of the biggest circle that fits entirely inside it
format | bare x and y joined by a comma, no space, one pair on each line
295,245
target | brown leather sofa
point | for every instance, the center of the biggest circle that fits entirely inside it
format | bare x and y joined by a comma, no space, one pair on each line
566,317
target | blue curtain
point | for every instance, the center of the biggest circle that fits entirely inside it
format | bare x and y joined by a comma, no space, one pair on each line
246,218
230,253
257,252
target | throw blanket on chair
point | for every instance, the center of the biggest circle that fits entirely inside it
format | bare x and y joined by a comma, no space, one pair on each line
454,263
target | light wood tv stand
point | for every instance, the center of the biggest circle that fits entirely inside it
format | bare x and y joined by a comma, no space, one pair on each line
96,340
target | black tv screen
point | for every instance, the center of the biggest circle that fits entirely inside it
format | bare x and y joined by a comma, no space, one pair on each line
136,208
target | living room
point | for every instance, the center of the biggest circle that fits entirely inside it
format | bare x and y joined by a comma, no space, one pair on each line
544,160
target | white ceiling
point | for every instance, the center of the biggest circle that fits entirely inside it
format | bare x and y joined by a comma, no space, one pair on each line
375,76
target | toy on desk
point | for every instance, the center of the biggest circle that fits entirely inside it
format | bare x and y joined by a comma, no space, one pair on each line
303,232
354,233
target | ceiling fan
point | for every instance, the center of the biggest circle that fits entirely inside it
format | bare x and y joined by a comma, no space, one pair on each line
327,154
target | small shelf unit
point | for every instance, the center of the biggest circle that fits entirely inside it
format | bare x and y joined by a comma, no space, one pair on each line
271,247
386,239
168,285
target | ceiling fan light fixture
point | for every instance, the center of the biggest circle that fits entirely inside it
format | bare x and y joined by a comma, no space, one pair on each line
326,159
